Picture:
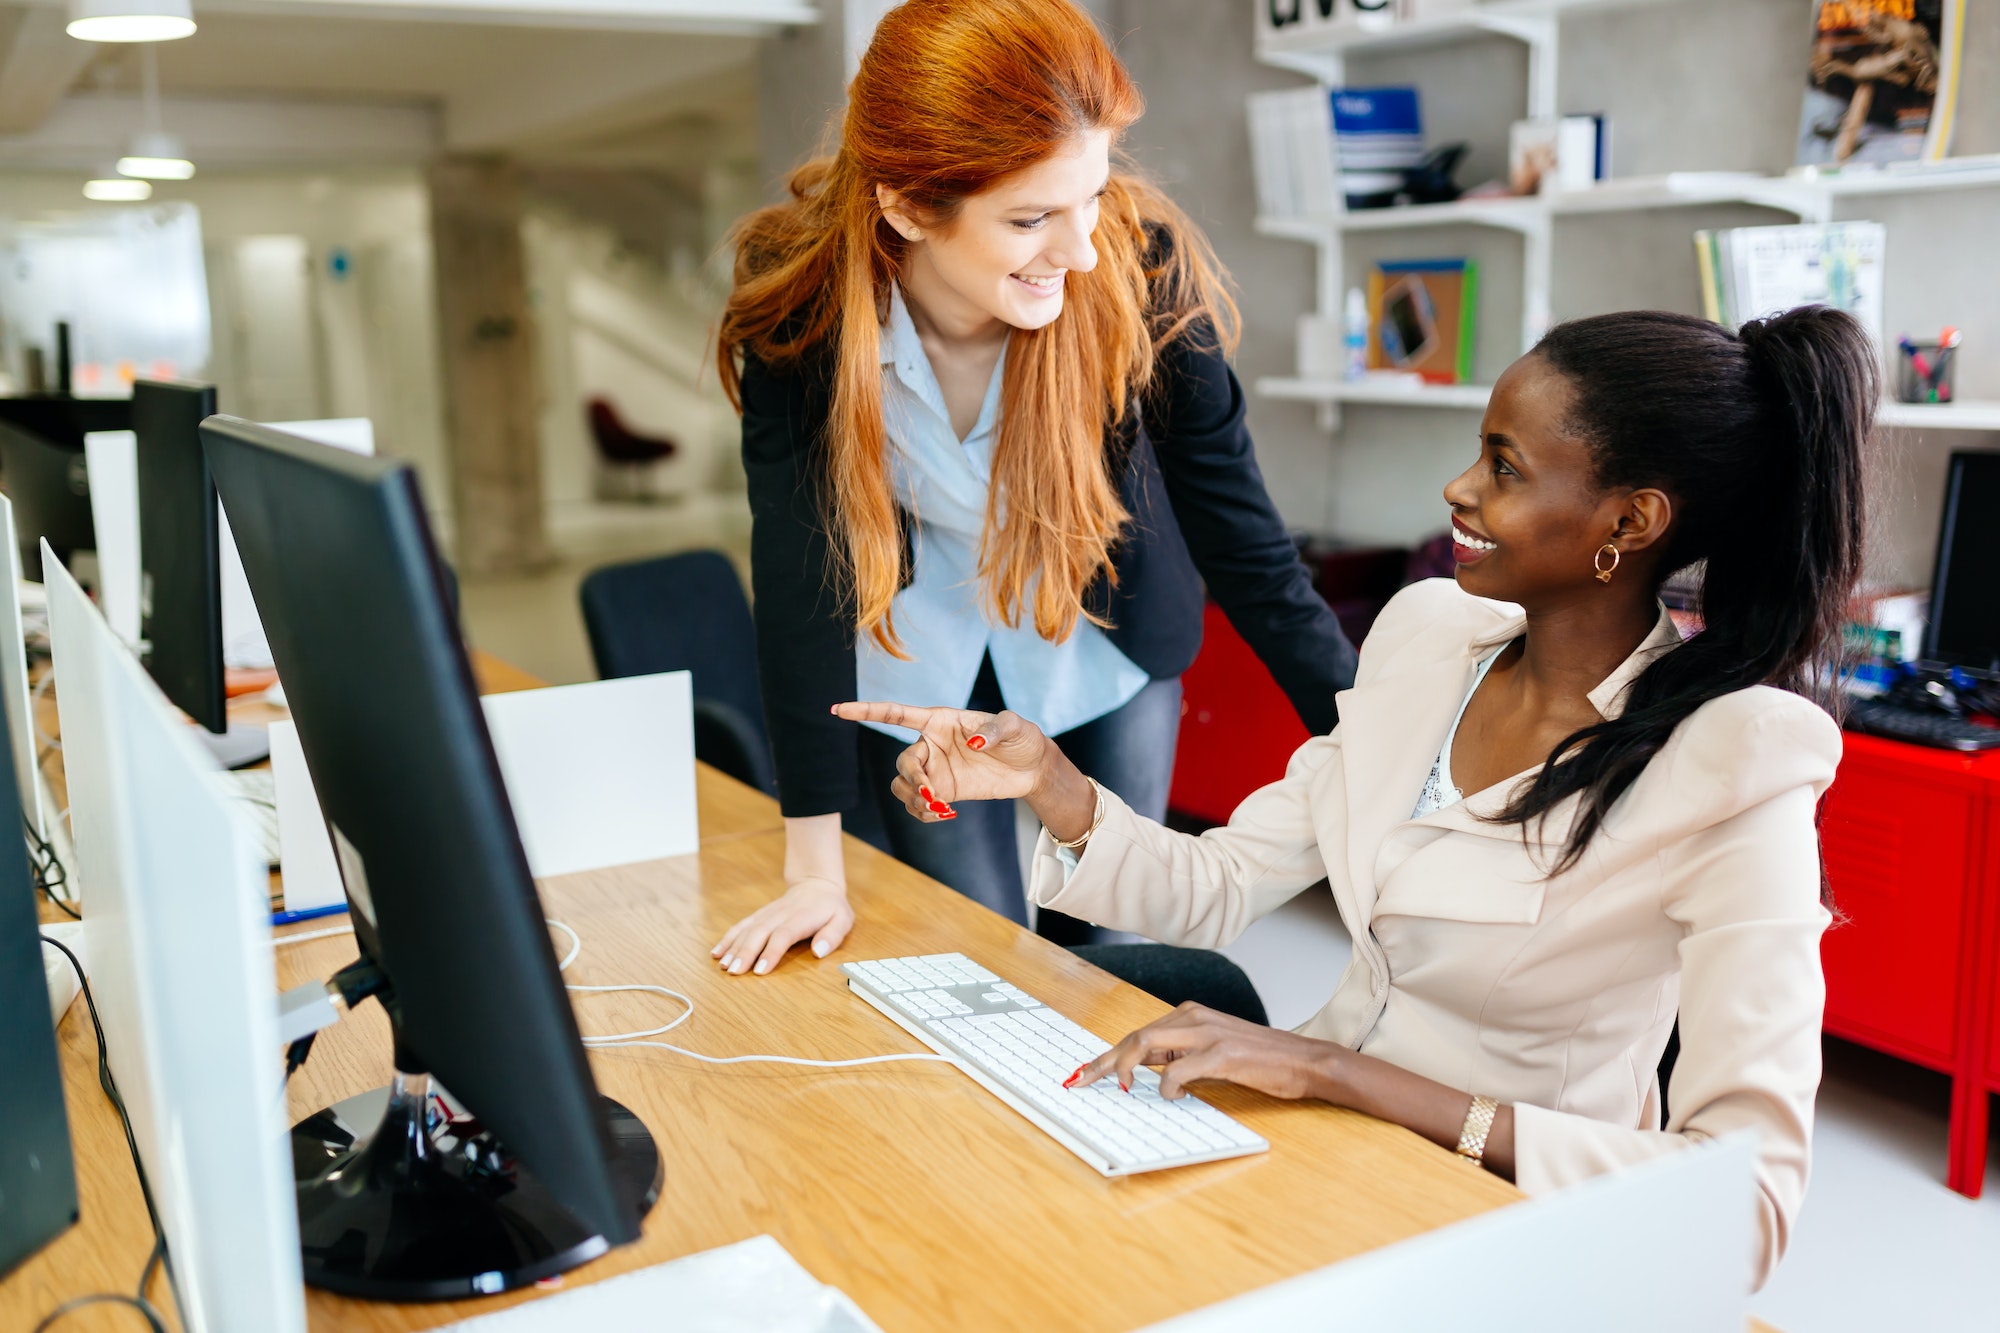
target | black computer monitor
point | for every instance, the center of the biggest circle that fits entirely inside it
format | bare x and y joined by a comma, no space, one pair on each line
49,484
37,1177
353,596
1964,628
180,549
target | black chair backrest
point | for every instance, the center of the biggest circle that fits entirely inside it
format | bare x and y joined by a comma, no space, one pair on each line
687,613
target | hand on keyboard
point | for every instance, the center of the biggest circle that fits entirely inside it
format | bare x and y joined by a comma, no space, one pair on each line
1195,1042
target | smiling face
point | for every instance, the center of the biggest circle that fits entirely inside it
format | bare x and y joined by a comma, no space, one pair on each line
1529,516
1006,254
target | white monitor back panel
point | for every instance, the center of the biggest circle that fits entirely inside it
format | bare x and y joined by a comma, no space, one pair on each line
1661,1248
112,457
176,921
243,641
14,693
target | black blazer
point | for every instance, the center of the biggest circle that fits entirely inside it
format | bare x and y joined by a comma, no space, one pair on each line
1199,510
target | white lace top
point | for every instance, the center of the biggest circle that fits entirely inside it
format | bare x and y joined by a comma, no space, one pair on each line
1438,790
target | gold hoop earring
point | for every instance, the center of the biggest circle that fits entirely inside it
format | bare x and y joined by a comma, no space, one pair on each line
1597,562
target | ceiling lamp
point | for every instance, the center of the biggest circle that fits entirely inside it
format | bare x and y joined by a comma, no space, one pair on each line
156,155
130,20
117,190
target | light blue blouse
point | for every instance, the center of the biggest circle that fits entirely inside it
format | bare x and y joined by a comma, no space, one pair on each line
943,482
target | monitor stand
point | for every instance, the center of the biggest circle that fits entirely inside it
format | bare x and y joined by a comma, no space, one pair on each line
425,1210
239,747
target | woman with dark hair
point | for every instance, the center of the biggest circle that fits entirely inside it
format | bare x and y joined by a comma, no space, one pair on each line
1551,826
995,450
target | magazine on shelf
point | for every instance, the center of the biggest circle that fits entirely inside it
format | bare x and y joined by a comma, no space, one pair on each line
1882,82
1422,314
1750,272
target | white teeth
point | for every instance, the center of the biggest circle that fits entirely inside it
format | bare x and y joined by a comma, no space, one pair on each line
1464,538
1049,281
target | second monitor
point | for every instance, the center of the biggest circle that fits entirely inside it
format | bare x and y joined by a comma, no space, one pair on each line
355,599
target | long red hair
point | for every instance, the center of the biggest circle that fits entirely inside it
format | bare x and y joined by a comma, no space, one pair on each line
951,97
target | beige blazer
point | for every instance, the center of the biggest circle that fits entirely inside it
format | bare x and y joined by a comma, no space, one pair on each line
1700,897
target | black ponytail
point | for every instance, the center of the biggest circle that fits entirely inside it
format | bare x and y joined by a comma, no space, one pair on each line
1758,439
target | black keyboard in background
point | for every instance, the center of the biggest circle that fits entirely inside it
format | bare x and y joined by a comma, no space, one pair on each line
1919,726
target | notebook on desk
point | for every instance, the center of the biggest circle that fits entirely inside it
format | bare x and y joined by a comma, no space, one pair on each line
753,1286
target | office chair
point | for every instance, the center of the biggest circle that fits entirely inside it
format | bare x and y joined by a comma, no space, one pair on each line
627,456
687,613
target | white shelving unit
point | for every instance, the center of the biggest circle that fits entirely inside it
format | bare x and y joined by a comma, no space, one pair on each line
1322,53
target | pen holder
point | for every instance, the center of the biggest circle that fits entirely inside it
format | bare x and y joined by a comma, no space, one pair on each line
1924,372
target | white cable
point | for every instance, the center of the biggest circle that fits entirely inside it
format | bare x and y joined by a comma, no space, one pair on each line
616,1039
778,1059
301,938
575,946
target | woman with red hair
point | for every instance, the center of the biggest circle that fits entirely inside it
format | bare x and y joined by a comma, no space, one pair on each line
994,450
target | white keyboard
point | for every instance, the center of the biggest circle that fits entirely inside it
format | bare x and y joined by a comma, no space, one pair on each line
257,792
1020,1050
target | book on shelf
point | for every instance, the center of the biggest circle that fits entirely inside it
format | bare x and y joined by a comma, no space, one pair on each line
1750,272
1422,315
1882,83
1379,136
1292,153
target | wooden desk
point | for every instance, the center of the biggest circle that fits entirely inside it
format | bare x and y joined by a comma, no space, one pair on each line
908,1186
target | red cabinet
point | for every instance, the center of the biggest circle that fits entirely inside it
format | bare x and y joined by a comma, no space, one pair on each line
1912,956
1898,846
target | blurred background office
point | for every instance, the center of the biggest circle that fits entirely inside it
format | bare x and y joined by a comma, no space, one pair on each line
494,228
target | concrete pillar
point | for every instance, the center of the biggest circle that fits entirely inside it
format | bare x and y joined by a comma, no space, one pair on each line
492,398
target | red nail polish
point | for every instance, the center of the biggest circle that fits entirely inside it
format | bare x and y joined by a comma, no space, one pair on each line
1073,1077
925,792
938,807
949,814
1124,1087
976,743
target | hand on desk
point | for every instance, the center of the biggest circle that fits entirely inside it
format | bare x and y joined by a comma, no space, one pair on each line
811,908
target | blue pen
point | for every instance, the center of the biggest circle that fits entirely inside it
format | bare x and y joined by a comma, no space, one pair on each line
287,918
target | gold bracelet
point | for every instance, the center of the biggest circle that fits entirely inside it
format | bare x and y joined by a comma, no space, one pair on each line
1096,819
1478,1124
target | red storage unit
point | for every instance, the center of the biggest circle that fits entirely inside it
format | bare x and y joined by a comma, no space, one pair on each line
1910,969
1897,840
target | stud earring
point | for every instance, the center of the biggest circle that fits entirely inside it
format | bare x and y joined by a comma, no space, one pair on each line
1597,562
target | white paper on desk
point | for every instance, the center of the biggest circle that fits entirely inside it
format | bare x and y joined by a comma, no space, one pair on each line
753,1286
243,640
311,875
112,458
599,774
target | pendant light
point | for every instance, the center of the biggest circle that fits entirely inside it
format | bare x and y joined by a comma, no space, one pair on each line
156,155
130,20
118,190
